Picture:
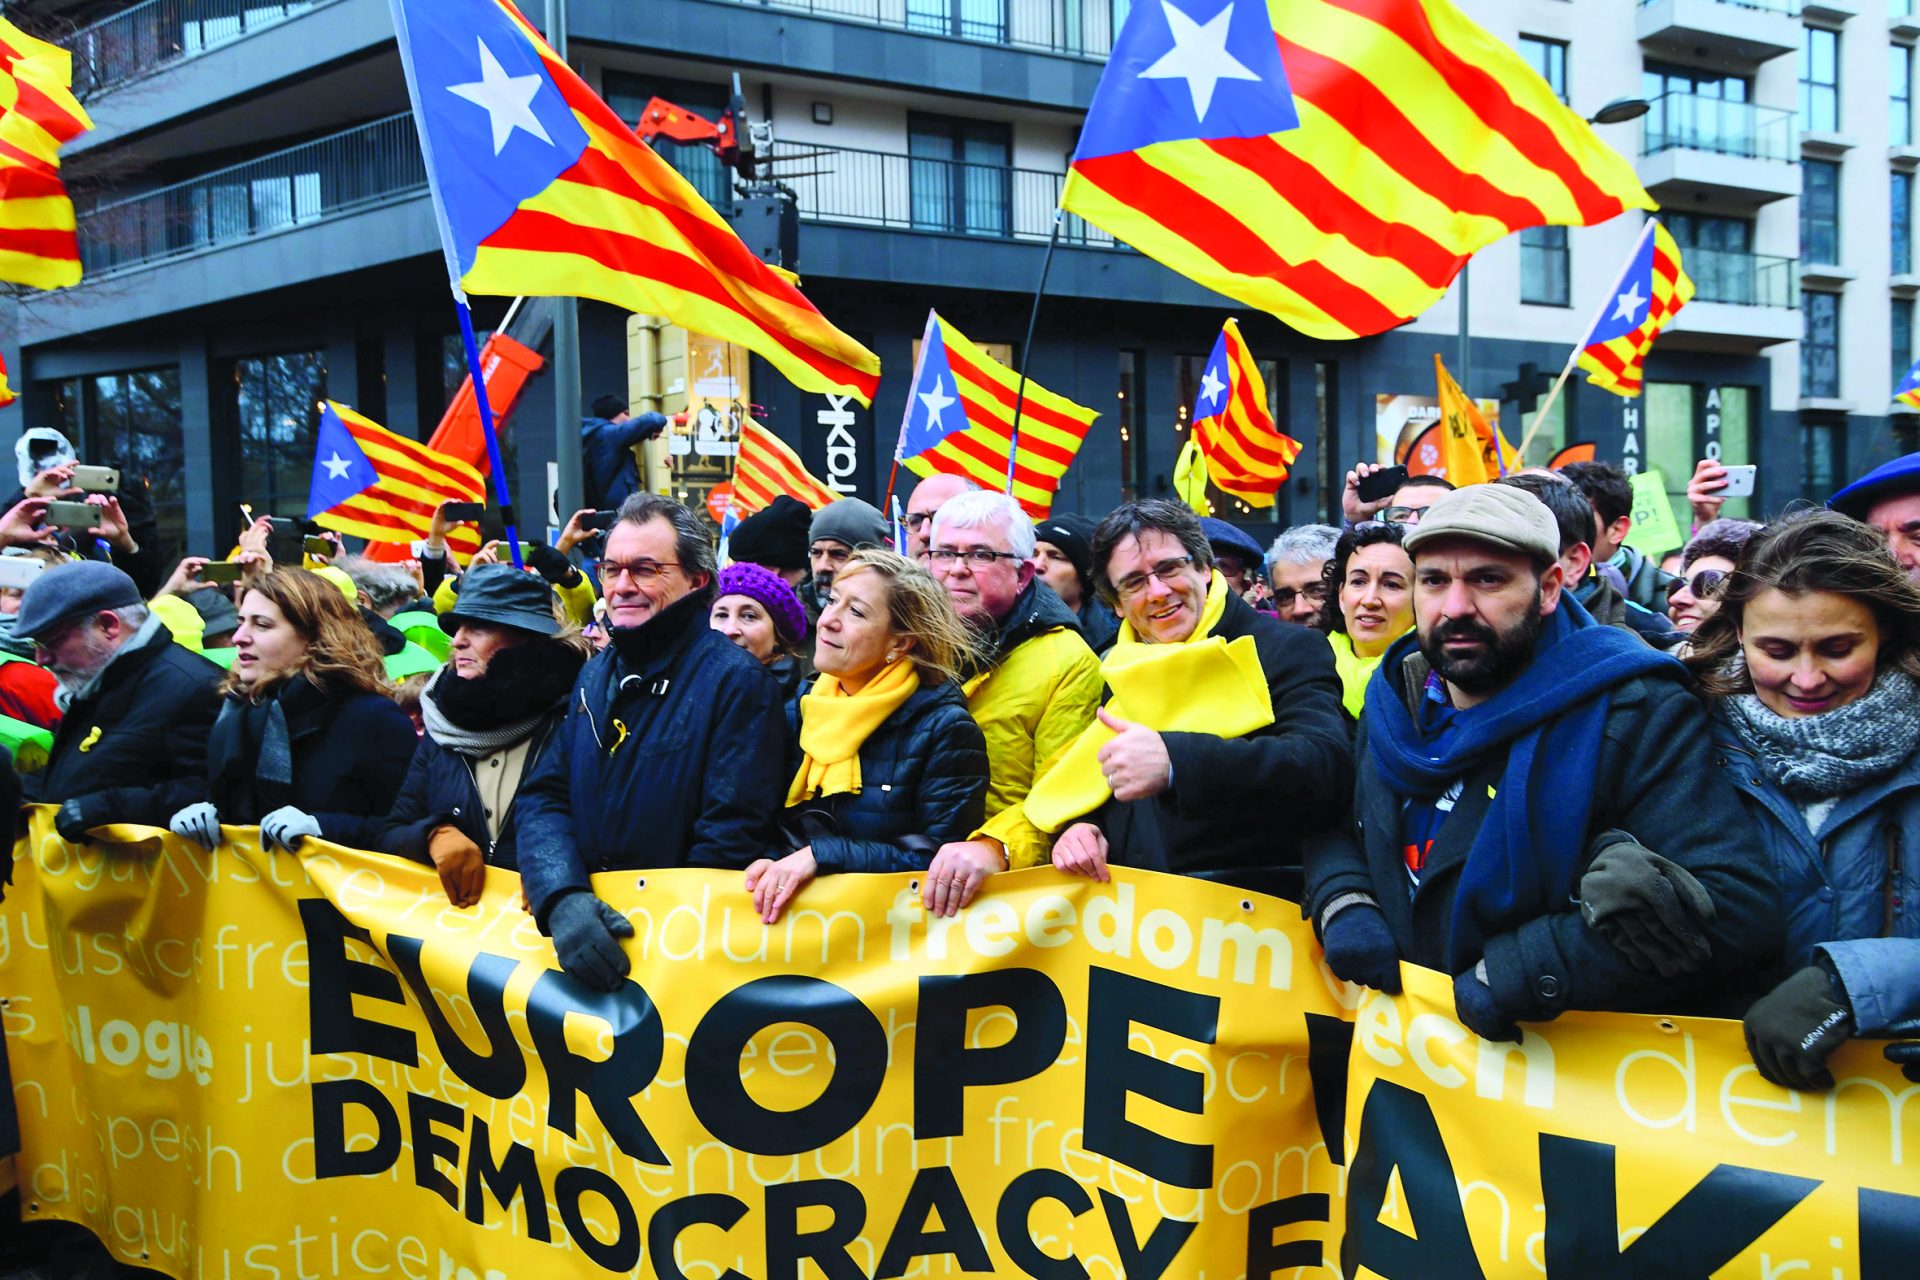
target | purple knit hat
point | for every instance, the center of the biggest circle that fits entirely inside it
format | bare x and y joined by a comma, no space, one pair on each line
772,591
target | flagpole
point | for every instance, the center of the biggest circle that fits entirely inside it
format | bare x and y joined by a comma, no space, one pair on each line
1573,356
496,469
1026,348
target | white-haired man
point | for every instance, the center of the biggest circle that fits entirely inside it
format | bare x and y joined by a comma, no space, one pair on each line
1032,698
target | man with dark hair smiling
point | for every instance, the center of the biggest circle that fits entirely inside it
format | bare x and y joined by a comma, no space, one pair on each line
1509,741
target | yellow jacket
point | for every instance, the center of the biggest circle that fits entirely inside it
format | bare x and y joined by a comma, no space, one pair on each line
1031,706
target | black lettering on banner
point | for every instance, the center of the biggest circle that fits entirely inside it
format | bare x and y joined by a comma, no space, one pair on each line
1329,1049
1719,1216
331,1159
934,1191
1014,1222
943,1066
517,1173
1889,1234
430,1147
501,1072
663,1230
1115,1001
1144,1259
335,978
1265,1255
719,1096
788,1246
1397,1130
622,1253
610,1085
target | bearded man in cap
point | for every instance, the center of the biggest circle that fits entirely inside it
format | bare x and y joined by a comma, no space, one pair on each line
837,531
1517,763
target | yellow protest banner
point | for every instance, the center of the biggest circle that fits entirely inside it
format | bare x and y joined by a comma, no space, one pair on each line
235,1064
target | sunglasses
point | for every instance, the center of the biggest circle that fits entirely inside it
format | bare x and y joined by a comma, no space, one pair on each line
1705,583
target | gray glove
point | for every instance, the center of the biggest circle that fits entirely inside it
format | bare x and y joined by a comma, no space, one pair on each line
286,827
199,823
1650,908
585,936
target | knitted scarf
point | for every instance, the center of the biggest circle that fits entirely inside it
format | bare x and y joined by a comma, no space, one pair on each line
521,687
1836,752
250,753
1549,723
835,724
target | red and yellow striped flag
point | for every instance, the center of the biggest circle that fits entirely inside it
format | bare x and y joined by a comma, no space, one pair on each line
1246,455
768,467
38,115
383,487
959,421
6,392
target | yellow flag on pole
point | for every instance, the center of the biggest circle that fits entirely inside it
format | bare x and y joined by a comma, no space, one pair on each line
1467,444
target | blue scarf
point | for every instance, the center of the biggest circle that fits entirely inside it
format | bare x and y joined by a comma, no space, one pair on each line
1550,722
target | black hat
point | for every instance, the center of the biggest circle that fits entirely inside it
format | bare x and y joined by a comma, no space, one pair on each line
215,610
609,406
775,537
500,595
1073,534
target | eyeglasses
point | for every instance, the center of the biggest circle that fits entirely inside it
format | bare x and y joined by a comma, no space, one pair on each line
1403,515
638,570
1135,583
977,558
1314,591
917,519
1705,583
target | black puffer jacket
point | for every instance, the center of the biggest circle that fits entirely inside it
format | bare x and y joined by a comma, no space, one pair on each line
923,783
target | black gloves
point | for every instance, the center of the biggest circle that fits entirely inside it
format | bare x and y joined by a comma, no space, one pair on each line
585,932
551,565
1794,1027
1905,1054
1360,947
1479,1012
1648,907
77,817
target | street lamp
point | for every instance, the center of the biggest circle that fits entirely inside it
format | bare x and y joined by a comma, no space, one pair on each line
1621,110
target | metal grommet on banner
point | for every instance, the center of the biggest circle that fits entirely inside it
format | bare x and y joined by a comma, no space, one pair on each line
1246,904
642,884
1666,1025
914,885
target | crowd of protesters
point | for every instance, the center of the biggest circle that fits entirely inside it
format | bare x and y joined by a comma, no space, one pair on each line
1473,729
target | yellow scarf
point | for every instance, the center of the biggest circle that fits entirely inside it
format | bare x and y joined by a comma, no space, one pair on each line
834,724
1354,671
1207,684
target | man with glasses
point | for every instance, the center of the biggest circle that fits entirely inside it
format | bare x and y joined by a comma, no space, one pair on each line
838,530
928,496
1296,566
1032,696
1404,505
673,752
1222,743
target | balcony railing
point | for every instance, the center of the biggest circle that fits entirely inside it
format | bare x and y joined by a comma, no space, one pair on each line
1691,122
158,33
1080,28
1744,279
344,172
1789,7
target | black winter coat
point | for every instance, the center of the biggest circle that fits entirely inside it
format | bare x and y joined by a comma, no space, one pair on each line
442,791
1239,807
923,781
136,748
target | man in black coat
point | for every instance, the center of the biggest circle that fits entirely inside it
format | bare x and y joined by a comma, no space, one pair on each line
673,752
1517,763
1198,803
132,745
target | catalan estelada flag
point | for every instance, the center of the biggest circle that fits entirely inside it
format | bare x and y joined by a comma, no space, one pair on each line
38,115
768,467
1471,450
542,190
1333,162
1907,393
959,421
383,487
1246,455
1651,291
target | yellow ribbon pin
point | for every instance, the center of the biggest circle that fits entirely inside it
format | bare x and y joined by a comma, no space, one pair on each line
619,735
93,736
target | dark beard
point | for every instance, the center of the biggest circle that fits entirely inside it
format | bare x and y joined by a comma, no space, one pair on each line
1498,662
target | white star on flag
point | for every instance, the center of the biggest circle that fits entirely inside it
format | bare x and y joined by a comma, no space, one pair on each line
337,467
1629,303
936,401
507,100
1199,56
1211,387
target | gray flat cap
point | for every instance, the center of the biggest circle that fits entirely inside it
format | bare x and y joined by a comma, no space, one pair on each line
69,592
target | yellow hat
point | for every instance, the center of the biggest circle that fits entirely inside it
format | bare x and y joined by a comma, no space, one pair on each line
339,578
181,618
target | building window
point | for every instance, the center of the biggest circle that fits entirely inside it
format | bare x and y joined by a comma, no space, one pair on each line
1543,267
133,423
1820,349
1549,58
1900,332
1729,438
1822,458
1131,416
959,175
1820,212
1700,110
1900,95
1901,224
968,19
628,95
1820,81
1718,252
276,408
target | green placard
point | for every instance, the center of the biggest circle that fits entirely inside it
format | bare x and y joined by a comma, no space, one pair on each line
1654,531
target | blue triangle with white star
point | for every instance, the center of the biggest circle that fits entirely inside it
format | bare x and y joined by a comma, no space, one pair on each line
933,406
1210,400
1631,298
341,469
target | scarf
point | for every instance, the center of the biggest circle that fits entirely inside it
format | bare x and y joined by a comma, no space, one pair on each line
638,648
1206,684
520,688
1550,722
251,752
1354,671
1837,752
834,724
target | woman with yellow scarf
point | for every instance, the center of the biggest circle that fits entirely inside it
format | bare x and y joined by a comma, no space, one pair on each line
1369,603
891,764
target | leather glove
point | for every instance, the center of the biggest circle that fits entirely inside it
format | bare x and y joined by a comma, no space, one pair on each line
1905,1054
1651,909
1360,948
1479,1012
585,932
551,565
287,826
1793,1029
199,823
462,867
77,817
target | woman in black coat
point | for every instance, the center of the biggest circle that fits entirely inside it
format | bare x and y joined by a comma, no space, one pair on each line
309,741
489,714
891,765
